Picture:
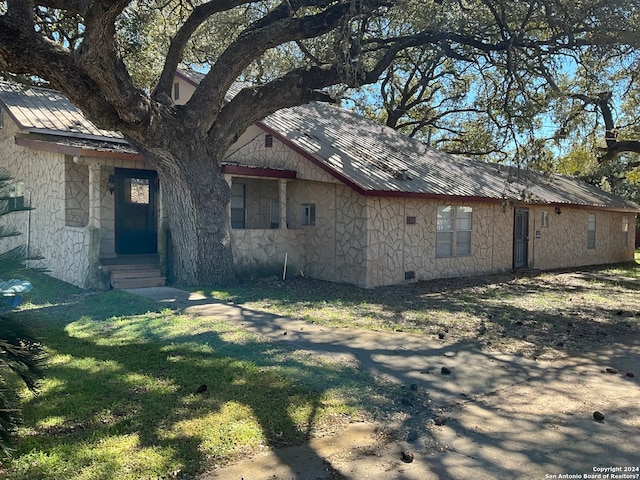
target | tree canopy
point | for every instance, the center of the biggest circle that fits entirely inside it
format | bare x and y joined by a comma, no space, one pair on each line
504,62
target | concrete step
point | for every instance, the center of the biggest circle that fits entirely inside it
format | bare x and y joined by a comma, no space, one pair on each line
135,275
145,282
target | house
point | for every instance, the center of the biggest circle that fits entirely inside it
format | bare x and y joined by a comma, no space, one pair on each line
341,198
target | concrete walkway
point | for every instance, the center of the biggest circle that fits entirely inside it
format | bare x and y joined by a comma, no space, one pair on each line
506,416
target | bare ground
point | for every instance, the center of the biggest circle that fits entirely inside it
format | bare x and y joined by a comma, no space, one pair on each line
519,401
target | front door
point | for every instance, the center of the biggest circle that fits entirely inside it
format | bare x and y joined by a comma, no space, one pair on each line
136,211
521,238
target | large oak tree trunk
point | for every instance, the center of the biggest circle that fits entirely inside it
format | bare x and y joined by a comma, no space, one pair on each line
195,197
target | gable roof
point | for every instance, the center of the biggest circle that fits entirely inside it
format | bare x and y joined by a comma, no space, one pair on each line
376,160
372,159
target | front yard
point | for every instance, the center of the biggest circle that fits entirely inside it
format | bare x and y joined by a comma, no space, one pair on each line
119,398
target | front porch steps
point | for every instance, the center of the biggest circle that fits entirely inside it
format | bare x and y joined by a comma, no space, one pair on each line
134,272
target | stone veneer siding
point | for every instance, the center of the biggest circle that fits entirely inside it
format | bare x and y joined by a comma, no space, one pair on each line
367,241
564,242
59,228
64,248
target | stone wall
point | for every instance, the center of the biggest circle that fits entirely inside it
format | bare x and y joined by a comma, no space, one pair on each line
63,248
564,242
405,250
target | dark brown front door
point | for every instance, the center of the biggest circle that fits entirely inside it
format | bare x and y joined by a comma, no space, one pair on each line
521,238
136,211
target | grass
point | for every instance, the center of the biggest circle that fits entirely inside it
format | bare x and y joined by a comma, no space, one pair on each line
118,396
548,315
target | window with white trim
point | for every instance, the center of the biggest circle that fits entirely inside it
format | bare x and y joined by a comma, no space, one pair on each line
544,219
591,231
454,227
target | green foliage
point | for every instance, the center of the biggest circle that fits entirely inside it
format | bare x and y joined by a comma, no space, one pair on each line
20,353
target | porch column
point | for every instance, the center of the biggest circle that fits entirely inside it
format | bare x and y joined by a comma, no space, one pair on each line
95,195
229,179
282,190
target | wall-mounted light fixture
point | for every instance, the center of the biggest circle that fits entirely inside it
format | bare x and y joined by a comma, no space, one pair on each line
558,211
112,183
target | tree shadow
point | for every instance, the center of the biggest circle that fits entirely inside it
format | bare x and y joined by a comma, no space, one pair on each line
134,379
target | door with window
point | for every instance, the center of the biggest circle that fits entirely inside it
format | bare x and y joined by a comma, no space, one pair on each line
521,238
136,210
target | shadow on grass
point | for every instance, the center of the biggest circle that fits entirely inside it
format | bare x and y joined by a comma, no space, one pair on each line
534,309
121,392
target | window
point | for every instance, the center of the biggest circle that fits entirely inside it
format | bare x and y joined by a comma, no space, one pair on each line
136,190
1,118
268,140
625,231
238,205
274,212
308,214
176,91
15,200
453,236
544,219
591,231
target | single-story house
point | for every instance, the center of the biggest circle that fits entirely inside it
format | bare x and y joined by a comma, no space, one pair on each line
342,198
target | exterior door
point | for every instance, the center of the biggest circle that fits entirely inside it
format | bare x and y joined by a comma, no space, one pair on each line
136,211
521,238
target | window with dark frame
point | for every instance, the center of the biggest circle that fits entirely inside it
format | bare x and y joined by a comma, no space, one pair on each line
268,140
15,200
308,214
238,205
176,91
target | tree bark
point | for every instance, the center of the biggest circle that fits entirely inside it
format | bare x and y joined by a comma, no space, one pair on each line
195,197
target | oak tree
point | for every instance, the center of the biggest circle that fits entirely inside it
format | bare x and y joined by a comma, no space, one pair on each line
81,47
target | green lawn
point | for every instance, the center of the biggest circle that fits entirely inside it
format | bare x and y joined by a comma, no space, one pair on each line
118,398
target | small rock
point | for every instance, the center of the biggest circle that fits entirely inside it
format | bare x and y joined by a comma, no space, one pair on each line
560,344
284,333
597,416
440,420
611,370
414,386
445,371
407,457
630,374
519,322
441,335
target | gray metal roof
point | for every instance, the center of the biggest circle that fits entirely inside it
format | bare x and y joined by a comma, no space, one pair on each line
41,110
373,159
377,160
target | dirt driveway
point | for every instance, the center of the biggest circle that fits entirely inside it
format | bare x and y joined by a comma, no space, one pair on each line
464,413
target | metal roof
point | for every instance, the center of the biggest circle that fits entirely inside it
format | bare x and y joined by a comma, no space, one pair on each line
41,110
377,160
372,159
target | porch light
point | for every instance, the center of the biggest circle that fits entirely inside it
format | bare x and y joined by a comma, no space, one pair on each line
112,184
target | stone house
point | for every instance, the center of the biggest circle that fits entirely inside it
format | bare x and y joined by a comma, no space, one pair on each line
341,198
